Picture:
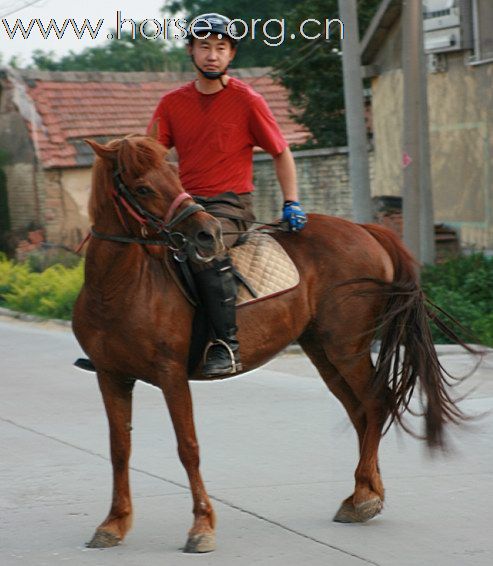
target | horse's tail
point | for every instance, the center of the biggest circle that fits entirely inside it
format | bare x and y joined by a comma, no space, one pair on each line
405,323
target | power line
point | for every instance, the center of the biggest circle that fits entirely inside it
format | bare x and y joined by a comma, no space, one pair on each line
10,9
316,45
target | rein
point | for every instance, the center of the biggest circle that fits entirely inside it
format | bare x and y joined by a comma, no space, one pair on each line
132,239
267,227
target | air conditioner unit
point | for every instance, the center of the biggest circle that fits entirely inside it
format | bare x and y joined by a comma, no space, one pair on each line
446,25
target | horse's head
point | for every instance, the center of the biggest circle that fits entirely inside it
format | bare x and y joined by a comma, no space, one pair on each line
134,188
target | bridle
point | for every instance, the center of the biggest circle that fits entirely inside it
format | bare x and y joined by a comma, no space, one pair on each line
127,205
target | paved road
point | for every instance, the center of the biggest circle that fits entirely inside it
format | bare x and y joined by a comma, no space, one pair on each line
278,456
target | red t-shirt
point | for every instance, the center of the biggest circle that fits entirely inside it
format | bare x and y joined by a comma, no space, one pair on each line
214,135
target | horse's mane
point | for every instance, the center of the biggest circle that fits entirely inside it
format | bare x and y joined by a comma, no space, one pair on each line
132,155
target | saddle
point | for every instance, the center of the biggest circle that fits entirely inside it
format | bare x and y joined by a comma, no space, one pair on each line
261,266
262,269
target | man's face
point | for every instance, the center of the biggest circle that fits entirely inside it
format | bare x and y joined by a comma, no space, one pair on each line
212,54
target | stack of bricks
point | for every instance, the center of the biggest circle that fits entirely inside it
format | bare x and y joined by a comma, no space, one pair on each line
33,242
388,213
392,220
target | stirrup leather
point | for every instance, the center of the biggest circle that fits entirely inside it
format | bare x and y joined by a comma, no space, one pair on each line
235,366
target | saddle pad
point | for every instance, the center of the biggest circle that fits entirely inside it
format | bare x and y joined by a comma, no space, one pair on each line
265,265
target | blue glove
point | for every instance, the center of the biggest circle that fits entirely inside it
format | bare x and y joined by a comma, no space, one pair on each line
294,215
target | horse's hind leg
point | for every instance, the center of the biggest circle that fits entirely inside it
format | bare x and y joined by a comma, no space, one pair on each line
348,379
117,396
367,499
335,382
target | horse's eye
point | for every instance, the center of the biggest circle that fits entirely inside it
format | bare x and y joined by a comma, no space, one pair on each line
143,191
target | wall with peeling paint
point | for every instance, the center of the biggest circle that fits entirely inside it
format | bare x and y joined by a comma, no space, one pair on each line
461,138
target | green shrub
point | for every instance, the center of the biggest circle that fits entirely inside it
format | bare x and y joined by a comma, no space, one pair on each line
463,287
40,260
51,293
11,274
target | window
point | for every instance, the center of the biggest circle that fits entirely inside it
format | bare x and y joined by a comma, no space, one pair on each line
483,31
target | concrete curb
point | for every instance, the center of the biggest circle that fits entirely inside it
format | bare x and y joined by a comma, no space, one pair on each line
295,348
34,319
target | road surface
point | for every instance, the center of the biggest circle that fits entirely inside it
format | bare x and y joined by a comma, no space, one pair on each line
278,456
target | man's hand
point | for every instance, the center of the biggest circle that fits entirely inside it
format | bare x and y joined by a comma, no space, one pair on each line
294,215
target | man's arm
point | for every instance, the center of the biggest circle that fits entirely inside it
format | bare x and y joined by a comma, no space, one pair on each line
286,174
292,212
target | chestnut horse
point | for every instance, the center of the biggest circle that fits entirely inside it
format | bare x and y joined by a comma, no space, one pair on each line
133,321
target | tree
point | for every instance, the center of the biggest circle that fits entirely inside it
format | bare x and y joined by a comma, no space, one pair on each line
125,54
312,70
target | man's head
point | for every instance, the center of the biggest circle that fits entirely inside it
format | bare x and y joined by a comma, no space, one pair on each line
212,44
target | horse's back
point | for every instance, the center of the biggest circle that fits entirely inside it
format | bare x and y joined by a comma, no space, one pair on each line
337,248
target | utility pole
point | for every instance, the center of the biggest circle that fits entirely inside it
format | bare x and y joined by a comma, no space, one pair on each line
359,170
417,197
426,220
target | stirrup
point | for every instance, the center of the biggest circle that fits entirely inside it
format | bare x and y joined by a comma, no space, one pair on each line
235,365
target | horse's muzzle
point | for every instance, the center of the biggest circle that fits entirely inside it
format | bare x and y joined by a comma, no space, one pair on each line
208,243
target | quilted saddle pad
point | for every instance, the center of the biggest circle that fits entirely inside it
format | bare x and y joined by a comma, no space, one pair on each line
265,266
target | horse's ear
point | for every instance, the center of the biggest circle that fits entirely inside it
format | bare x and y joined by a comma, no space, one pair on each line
172,156
102,150
153,131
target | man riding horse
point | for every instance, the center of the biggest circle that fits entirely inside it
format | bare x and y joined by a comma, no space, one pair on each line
214,123
133,321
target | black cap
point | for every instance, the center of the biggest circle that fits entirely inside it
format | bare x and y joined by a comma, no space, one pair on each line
212,23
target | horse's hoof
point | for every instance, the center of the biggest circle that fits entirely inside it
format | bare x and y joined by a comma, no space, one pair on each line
369,509
345,514
205,542
348,513
103,539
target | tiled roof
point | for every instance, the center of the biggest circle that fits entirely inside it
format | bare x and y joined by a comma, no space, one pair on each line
71,106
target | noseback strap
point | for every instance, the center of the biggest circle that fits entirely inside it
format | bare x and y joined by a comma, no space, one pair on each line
174,205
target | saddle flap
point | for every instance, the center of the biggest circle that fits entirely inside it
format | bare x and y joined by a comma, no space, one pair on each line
263,262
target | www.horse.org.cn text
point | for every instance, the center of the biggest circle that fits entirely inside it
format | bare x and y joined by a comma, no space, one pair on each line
272,32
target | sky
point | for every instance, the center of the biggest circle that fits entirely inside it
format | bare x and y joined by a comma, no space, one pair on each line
60,10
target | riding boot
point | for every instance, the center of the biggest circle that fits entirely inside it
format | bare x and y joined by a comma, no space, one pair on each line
85,364
216,287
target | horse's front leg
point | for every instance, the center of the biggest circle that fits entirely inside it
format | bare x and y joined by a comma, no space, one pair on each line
117,396
201,537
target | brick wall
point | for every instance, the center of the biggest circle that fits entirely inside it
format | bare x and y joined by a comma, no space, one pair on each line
53,205
323,180
23,201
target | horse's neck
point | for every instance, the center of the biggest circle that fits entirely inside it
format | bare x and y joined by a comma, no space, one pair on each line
113,265
114,269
